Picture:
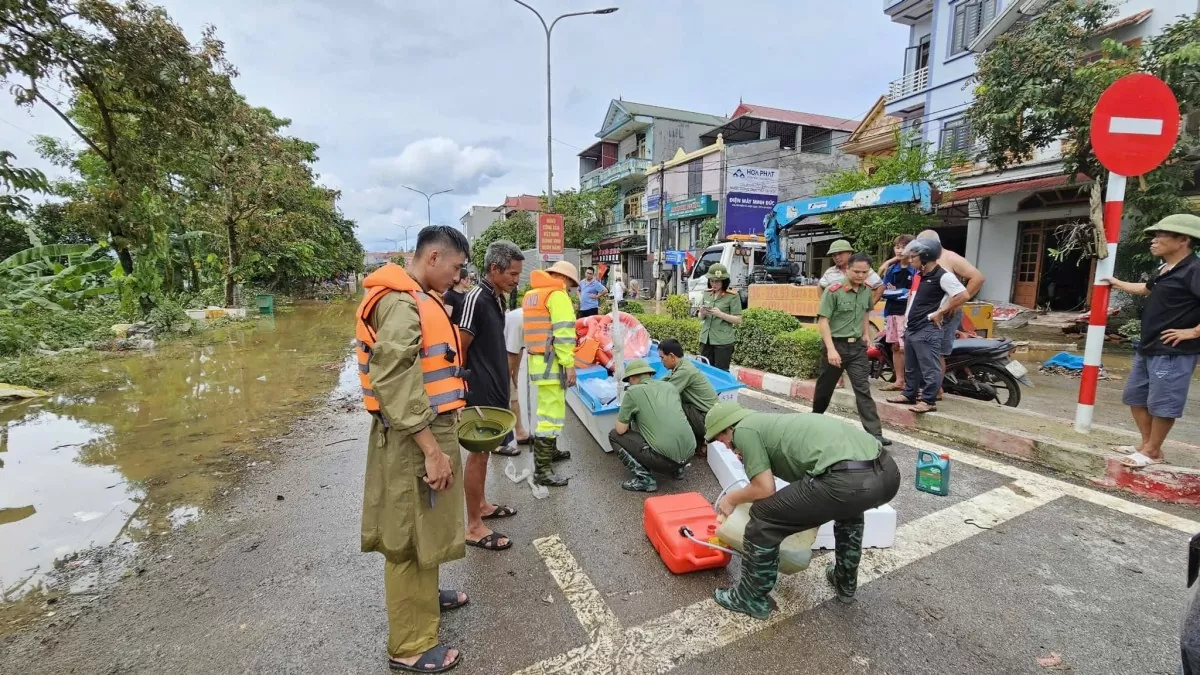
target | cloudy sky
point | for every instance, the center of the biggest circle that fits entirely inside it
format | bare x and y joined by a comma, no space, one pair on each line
443,94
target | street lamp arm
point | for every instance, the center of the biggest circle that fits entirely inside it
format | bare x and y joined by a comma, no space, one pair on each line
423,194
441,192
537,14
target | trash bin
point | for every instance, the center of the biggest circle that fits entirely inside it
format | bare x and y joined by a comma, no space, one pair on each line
266,304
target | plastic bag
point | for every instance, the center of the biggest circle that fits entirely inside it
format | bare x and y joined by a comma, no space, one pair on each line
795,553
603,390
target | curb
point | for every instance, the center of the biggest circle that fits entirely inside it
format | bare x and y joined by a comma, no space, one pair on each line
1176,485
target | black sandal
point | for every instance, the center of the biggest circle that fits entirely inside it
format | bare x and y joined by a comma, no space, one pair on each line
489,543
507,451
449,600
501,511
432,661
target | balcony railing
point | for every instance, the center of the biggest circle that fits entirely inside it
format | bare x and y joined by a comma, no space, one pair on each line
627,168
913,83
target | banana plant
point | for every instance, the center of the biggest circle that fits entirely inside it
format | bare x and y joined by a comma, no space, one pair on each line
55,278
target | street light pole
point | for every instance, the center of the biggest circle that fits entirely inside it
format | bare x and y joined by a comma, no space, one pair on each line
428,199
549,137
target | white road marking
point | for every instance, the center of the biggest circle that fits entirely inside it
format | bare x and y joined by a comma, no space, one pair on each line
664,643
1090,495
595,616
1142,126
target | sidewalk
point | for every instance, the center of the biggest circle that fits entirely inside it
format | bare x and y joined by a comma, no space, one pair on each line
1040,431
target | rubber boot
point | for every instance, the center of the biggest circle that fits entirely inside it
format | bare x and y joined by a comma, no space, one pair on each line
760,568
559,455
843,573
543,458
643,480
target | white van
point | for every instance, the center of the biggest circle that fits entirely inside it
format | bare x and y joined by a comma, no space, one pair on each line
740,257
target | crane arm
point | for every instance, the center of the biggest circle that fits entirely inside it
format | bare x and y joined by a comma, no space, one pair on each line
787,214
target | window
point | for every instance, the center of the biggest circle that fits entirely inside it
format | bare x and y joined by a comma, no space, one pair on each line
970,17
815,140
916,57
695,178
633,203
639,150
956,136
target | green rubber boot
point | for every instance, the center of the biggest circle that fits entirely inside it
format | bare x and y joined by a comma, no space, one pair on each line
643,480
543,463
760,569
843,573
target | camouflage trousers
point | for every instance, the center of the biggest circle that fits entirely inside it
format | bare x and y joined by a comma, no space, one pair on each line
641,460
545,453
838,496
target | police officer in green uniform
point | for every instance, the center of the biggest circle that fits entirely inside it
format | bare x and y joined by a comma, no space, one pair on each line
651,432
842,319
836,472
695,391
720,311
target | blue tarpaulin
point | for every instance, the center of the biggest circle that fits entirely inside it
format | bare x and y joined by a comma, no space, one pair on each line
1064,360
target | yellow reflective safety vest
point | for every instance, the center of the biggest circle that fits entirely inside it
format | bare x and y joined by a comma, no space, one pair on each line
549,325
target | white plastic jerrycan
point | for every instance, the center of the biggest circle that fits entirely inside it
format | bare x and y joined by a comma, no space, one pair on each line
794,553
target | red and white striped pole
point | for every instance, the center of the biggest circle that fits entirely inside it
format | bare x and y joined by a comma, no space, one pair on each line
1114,204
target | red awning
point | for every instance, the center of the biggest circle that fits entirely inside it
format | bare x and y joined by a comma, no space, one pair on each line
1035,184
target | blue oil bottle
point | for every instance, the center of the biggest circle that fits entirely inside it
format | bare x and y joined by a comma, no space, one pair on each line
933,473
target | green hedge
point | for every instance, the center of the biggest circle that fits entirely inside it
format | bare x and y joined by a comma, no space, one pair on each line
687,331
767,340
755,336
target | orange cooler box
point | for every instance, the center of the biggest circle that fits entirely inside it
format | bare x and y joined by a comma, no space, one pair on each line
664,516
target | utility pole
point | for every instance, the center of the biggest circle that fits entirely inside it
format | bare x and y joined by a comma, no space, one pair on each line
428,199
658,255
549,138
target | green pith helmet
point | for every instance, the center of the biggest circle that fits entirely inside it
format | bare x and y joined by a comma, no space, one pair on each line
1179,223
722,416
718,272
482,429
638,367
840,246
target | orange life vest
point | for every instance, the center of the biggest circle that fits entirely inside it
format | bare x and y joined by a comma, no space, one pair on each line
539,330
441,352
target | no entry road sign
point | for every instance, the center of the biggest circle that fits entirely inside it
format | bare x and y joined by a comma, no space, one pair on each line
1135,124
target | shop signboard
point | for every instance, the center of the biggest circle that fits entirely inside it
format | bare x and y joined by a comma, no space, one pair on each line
692,207
751,193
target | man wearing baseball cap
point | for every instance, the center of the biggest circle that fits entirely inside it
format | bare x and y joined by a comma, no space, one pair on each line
651,433
836,472
1157,389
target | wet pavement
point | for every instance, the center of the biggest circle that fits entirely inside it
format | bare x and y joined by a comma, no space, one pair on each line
149,455
1011,567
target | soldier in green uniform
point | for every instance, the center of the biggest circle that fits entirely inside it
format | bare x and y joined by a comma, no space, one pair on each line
836,472
695,391
651,432
720,311
413,497
842,318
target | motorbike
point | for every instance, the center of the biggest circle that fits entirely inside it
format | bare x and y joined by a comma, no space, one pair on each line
979,368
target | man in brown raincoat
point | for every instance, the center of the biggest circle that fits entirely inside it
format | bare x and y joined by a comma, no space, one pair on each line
410,366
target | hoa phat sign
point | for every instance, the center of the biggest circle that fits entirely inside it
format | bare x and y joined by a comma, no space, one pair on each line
751,192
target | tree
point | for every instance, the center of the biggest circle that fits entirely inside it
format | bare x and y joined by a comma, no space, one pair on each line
584,213
16,180
137,95
517,228
1039,82
911,161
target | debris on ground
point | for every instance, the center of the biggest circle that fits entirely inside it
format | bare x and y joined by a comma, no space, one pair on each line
1070,365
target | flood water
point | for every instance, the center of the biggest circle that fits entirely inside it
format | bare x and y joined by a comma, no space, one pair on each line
138,460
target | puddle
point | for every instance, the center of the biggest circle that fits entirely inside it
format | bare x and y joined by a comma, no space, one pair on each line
81,472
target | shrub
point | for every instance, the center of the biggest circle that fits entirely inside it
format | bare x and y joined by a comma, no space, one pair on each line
633,307
23,332
755,337
687,331
796,353
678,306
166,313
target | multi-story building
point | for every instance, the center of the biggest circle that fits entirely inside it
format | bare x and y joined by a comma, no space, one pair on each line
477,219
761,155
1007,223
632,138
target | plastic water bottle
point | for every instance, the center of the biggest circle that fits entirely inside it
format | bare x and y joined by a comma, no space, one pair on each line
933,473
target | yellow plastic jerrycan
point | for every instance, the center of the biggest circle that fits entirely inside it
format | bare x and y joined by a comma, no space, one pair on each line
794,553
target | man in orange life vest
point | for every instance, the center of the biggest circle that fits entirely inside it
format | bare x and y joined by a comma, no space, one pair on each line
549,319
410,366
